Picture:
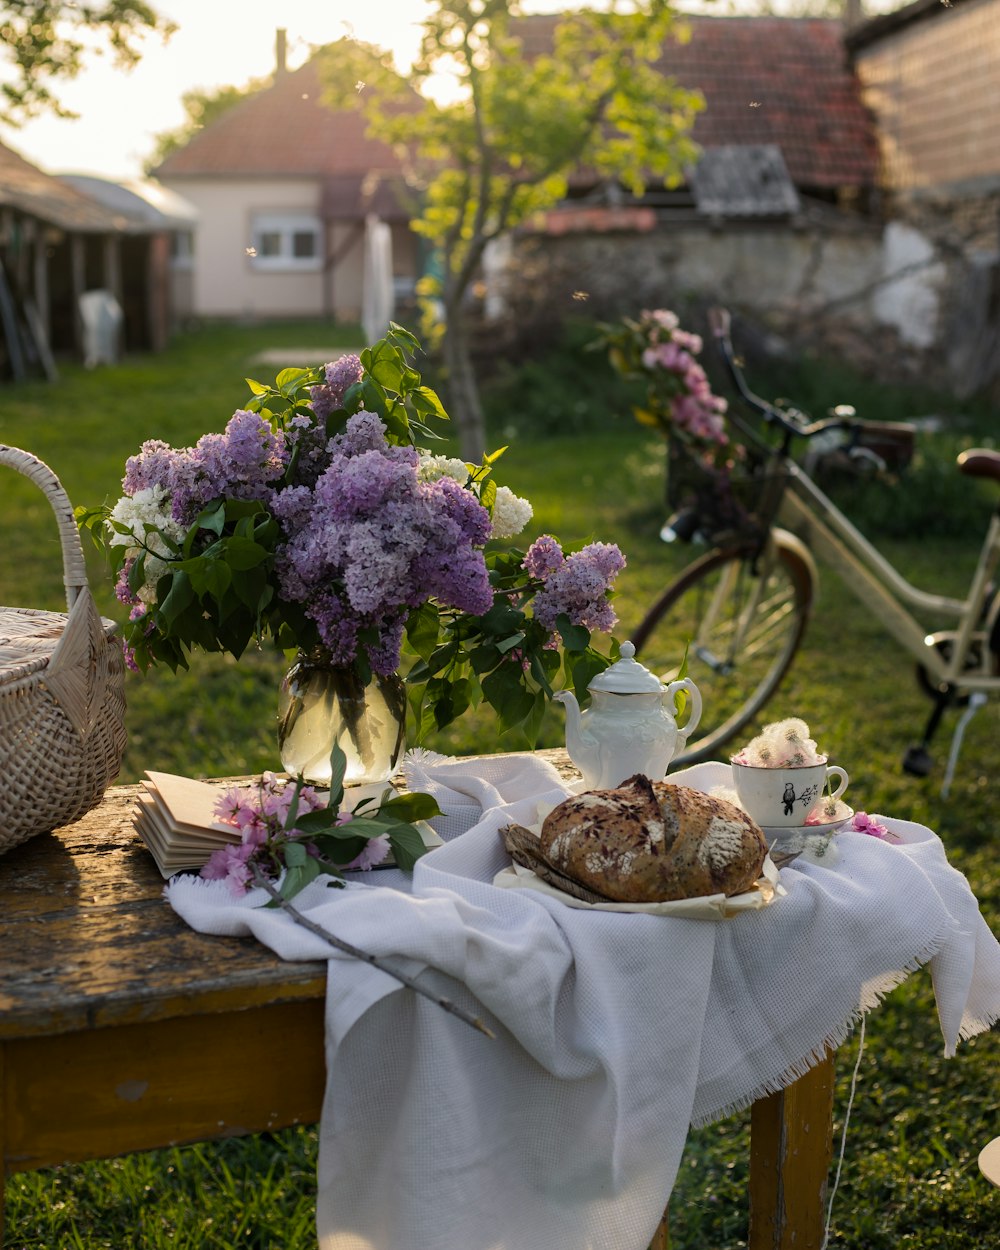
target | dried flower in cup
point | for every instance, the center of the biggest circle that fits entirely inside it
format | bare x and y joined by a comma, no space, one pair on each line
782,744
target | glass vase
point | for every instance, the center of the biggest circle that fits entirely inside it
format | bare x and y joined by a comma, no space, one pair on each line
322,703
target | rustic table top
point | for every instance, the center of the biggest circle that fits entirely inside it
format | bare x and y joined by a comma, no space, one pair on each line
87,940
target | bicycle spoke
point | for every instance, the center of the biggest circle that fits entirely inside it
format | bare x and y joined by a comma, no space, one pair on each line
740,624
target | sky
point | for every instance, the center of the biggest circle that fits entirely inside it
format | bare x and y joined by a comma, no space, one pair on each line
218,42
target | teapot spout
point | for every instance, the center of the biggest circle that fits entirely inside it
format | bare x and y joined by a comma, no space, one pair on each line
572,708
581,747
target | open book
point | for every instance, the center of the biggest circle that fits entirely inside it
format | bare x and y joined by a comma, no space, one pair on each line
175,817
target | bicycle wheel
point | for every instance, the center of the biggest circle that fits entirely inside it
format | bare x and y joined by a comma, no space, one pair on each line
741,618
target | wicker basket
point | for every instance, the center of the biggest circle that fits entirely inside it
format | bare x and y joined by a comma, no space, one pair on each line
62,692
739,504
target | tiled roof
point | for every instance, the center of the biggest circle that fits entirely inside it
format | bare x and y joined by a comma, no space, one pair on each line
782,81
768,80
26,188
282,130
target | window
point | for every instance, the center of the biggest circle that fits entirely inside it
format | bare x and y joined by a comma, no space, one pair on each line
286,241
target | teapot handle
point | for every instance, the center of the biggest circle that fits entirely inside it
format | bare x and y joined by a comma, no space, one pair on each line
685,683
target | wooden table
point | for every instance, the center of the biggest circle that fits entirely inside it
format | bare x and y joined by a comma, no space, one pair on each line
118,1026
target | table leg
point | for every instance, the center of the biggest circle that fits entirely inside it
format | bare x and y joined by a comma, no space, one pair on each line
661,1238
3,1140
791,1145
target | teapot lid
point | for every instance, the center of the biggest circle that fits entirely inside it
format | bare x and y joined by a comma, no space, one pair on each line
627,676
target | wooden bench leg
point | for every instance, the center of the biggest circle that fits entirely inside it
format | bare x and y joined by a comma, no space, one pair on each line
791,1145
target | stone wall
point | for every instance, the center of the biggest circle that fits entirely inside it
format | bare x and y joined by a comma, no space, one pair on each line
883,297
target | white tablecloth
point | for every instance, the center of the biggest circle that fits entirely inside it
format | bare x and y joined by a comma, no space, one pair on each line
614,1032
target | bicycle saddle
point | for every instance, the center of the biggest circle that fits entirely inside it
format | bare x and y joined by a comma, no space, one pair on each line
980,462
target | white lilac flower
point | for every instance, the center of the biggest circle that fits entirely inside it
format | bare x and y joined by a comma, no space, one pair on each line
511,513
147,516
150,526
433,467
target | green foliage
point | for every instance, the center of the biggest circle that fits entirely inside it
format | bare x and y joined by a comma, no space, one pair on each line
46,42
561,393
503,151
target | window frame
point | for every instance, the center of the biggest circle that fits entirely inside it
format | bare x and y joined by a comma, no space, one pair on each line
286,224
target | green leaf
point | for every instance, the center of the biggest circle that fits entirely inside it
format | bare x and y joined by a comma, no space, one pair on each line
179,596
296,879
575,637
502,619
287,379
338,770
212,518
504,691
407,846
413,806
295,854
256,388
244,553
427,403
423,628
585,670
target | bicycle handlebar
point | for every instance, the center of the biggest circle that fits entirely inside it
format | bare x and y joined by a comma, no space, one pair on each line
790,420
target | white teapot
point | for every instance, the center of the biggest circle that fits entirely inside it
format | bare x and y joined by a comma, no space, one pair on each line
629,727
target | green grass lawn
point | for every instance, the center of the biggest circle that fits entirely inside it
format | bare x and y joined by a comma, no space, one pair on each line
909,1179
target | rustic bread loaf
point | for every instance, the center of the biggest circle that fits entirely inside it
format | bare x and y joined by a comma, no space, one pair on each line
650,842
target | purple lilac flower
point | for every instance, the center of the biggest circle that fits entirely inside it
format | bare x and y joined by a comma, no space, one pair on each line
151,466
241,463
543,557
340,376
579,586
375,541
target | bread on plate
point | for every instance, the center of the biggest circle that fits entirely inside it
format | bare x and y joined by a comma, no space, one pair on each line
651,842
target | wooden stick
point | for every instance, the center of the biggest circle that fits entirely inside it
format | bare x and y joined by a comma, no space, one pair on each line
357,953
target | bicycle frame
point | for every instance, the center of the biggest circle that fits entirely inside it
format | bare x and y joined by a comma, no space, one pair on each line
884,591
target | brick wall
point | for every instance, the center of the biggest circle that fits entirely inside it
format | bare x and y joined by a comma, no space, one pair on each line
934,86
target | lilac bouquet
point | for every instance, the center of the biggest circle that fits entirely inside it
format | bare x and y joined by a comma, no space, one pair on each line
316,520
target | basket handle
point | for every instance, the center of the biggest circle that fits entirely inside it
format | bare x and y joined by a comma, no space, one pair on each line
35,470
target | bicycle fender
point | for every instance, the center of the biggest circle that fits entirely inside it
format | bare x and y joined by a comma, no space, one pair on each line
792,542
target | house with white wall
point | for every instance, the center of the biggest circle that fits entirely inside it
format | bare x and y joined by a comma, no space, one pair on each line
291,195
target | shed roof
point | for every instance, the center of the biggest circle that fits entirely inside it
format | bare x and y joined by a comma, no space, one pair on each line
23,186
743,181
147,204
768,80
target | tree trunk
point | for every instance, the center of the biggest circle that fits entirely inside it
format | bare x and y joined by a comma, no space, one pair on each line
463,392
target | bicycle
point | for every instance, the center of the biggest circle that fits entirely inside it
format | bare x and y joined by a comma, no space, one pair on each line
734,619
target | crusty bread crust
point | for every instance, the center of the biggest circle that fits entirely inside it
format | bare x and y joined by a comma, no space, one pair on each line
650,842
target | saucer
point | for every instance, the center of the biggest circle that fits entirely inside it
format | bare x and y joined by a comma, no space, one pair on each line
842,814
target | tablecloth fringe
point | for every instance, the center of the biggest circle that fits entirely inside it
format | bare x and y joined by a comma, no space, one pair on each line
873,994
972,1026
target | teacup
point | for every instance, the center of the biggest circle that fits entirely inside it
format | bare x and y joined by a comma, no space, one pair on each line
782,798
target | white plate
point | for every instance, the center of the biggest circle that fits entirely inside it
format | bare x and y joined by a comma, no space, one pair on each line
709,907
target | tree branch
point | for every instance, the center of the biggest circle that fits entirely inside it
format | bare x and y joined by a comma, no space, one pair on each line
357,953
